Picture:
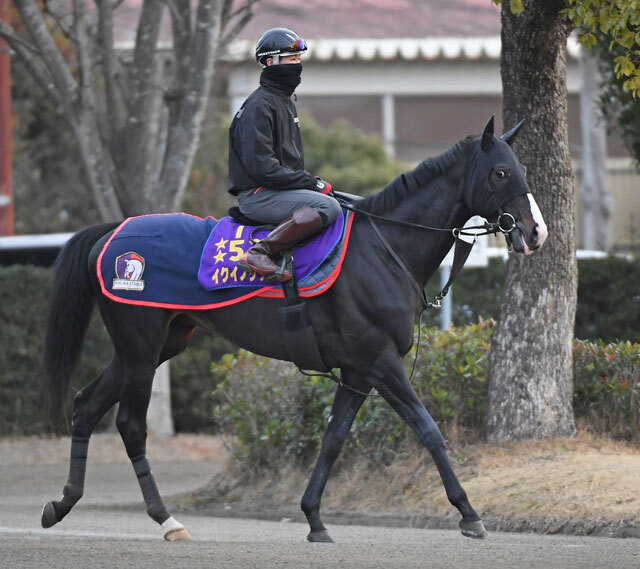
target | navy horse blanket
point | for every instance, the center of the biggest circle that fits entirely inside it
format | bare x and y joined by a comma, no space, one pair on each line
181,261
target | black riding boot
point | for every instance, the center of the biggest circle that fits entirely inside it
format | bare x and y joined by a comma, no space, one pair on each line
304,223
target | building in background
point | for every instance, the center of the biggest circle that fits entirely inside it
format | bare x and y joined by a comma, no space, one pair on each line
420,74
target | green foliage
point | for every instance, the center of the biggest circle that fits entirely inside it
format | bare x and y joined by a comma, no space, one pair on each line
515,6
24,292
271,408
608,308
607,387
619,22
275,413
618,106
193,385
608,299
24,296
352,161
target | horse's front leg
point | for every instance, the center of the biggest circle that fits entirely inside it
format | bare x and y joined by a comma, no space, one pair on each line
391,381
343,412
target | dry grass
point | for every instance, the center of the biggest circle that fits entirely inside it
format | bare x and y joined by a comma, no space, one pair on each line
575,479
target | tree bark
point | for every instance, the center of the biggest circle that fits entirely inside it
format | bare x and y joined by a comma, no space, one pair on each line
184,133
530,361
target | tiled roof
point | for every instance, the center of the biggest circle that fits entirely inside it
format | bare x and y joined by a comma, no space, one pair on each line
362,29
376,19
351,19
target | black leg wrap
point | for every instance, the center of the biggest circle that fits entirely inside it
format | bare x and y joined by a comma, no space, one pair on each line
153,502
74,488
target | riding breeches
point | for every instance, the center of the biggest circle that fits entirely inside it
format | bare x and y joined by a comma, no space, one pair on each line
274,206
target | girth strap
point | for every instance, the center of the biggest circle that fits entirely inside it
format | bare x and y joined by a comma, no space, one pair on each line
297,330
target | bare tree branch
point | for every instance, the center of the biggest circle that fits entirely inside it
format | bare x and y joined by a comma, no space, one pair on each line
25,51
110,69
135,157
53,9
181,25
246,8
9,34
55,63
247,14
185,135
83,53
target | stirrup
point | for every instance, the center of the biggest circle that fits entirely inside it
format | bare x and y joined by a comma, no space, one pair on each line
278,276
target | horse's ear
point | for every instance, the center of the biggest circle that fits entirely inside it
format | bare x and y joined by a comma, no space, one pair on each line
511,134
487,135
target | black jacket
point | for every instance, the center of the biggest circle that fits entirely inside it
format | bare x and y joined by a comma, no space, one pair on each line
265,144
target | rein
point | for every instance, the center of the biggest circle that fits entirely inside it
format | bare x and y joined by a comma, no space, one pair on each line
460,255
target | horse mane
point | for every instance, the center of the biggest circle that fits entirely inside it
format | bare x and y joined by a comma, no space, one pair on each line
405,184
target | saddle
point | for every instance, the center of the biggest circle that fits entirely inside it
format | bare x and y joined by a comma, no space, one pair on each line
298,333
299,336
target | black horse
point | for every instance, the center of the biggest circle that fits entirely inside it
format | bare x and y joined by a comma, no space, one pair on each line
364,324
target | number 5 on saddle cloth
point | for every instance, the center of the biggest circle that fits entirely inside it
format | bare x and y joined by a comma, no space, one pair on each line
180,261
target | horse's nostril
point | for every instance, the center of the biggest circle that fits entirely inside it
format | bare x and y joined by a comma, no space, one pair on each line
534,233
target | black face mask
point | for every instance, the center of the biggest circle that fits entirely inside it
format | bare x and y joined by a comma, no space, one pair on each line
287,76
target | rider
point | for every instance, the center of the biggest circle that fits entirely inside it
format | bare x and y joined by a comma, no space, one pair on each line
266,164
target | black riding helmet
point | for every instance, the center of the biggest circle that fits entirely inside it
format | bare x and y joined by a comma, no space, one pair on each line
277,42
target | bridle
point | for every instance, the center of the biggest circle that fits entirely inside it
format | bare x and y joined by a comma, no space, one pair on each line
504,224
490,228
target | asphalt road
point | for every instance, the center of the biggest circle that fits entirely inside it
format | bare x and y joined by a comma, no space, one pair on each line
97,535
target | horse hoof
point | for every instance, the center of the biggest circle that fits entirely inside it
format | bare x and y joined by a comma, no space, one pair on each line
321,536
473,529
48,516
177,535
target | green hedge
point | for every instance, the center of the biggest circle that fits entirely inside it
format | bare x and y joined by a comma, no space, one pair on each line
275,412
24,293
608,297
608,308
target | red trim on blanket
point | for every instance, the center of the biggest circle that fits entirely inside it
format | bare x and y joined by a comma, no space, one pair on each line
264,292
115,298
315,290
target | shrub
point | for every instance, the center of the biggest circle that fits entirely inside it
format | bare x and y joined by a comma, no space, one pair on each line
607,387
193,385
608,298
275,412
24,295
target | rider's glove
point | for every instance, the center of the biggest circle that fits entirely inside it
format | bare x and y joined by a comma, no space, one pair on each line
322,186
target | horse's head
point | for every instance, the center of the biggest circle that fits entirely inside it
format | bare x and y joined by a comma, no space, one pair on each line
497,189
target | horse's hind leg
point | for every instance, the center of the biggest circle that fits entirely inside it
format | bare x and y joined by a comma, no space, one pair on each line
343,412
390,380
140,359
89,406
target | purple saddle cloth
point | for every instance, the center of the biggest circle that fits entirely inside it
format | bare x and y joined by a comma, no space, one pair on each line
229,240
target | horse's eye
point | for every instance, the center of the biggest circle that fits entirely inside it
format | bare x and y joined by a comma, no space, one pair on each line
501,173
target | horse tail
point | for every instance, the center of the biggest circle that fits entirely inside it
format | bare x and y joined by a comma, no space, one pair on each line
70,307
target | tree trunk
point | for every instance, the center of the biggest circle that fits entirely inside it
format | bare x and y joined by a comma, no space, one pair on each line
595,199
530,362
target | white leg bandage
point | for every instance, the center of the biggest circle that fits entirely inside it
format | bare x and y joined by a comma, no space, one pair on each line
171,524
